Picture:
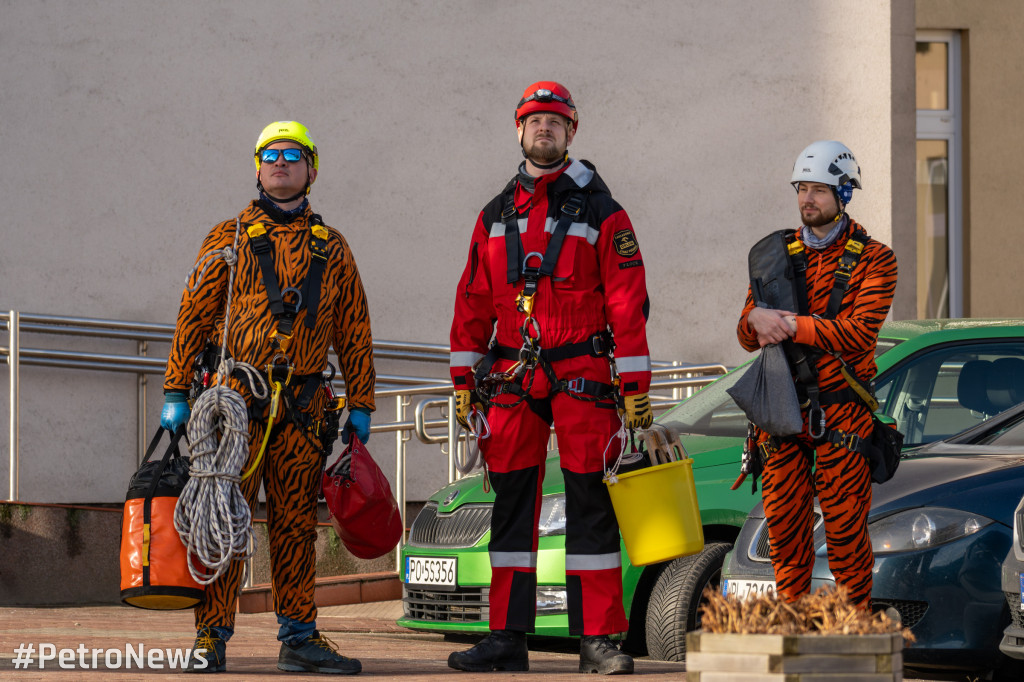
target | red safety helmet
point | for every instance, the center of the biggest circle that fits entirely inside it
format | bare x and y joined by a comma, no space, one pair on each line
547,96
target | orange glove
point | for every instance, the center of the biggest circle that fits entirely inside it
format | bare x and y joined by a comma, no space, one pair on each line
639,414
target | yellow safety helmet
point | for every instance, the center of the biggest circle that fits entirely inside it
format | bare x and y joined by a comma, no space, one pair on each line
286,130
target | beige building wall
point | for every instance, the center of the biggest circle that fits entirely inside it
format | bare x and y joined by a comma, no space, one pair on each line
129,129
993,144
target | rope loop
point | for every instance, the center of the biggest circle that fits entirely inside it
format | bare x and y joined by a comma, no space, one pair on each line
212,517
479,429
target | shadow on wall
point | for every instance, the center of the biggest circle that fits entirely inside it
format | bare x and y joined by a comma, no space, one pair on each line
52,555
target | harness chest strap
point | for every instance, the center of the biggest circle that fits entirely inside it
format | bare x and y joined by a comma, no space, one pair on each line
259,241
516,265
848,260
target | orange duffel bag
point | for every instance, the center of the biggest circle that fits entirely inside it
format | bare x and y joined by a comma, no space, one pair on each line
154,562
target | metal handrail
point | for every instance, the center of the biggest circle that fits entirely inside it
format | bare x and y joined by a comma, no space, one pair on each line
400,387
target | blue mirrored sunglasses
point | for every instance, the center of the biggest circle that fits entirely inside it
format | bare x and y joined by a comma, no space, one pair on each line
272,155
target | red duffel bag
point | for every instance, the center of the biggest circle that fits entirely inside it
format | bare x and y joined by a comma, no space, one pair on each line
363,509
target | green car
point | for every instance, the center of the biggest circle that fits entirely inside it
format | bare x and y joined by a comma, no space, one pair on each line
446,571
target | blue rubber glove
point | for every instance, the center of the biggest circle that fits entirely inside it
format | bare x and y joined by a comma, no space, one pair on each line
176,410
358,422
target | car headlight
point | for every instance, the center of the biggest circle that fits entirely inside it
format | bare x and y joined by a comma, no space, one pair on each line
922,528
551,600
552,515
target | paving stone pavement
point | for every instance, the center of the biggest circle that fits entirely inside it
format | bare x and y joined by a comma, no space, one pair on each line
364,631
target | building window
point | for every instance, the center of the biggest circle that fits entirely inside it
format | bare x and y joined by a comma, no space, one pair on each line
940,287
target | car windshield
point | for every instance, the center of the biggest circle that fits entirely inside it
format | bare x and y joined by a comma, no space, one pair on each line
711,412
1009,434
886,344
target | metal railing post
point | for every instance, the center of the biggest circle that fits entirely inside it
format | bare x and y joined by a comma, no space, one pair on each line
453,441
141,394
400,490
13,361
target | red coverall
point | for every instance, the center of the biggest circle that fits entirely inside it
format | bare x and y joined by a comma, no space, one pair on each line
598,284
841,478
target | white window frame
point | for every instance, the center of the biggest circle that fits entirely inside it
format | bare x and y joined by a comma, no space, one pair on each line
946,124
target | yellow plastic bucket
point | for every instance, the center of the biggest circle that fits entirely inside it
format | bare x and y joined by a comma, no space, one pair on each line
657,512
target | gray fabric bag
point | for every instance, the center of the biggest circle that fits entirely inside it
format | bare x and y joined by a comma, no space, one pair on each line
767,394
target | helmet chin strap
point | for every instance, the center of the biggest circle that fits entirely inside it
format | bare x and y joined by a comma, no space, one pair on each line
547,166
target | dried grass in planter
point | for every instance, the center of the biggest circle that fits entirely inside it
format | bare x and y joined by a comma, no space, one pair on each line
827,611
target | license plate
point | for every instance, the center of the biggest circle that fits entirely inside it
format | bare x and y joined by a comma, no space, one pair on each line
737,587
438,572
1022,591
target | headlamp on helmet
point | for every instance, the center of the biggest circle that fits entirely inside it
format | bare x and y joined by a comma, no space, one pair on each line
547,96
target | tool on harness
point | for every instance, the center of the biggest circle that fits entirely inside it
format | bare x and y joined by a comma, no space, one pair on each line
751,462
477,429
275,401
492,384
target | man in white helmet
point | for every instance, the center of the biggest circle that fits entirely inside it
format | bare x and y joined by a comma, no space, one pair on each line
850,281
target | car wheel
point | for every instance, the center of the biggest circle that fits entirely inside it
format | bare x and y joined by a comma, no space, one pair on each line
676,597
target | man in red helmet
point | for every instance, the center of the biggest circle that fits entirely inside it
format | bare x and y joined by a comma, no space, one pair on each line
555,273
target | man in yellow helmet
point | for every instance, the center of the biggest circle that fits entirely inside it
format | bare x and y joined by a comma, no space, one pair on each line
296,292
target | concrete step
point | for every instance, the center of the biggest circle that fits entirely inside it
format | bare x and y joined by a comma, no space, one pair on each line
69,554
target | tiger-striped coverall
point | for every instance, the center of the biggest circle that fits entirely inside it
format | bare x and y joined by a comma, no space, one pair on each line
291,467
841,478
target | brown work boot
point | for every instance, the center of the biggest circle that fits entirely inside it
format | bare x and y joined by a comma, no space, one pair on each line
500,650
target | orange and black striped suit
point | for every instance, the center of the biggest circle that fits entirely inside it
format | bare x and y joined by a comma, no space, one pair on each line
841,478
290,469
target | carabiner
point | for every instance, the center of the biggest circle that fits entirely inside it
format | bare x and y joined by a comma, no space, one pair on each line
819,419
524,331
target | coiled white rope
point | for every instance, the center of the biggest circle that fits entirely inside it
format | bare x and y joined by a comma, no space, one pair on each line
211,516
479,429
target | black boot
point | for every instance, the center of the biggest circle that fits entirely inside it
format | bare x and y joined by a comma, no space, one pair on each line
598,654
500,650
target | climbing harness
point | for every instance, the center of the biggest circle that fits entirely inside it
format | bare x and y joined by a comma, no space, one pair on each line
802,359
532,355
212,517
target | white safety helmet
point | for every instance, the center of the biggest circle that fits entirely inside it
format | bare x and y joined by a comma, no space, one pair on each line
828,162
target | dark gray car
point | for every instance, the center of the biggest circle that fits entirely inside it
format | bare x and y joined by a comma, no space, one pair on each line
940,530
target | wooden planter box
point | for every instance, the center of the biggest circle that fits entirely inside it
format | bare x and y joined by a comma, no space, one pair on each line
714,657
